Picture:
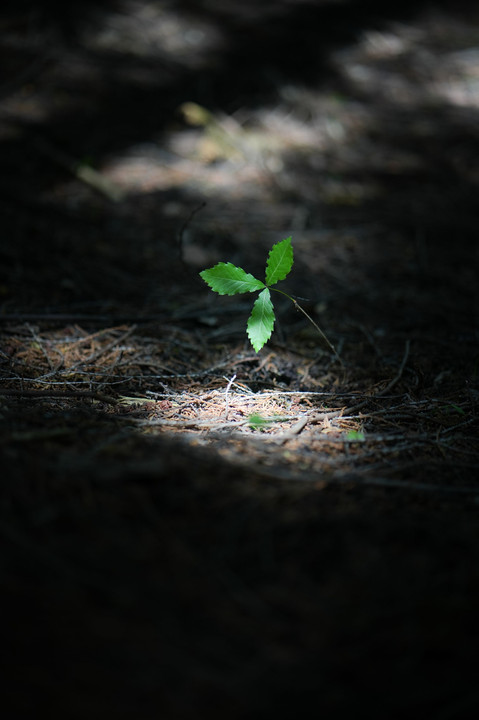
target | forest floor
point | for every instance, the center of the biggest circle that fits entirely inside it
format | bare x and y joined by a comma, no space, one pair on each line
189,528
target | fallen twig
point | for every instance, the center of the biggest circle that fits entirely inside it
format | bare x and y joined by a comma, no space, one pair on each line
58,394
294,431
230,382
399,373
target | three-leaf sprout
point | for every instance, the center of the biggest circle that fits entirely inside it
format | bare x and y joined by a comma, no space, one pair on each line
229,279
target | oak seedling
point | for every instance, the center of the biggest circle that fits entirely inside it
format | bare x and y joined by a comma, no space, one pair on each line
229,279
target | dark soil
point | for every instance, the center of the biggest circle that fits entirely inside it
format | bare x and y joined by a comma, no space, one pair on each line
162,554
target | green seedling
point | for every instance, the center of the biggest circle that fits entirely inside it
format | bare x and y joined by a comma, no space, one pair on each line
355,436
228,279
452,408
258,422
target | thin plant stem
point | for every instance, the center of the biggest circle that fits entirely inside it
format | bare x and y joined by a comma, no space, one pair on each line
315,325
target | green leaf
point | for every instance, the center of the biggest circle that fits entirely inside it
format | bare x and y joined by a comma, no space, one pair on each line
261,320
355,436
280,261
257,422
228,279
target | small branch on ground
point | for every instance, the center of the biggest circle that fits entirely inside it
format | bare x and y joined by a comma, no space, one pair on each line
58,394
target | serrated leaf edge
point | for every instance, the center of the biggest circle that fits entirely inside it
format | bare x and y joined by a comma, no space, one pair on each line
270,331
289,247
204,276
